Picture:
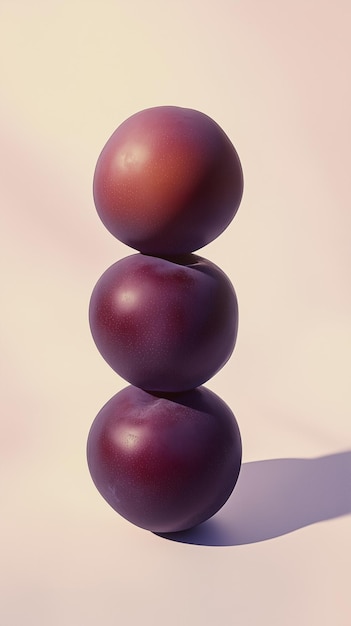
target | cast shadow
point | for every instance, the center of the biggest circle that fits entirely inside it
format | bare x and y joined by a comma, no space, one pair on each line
276,497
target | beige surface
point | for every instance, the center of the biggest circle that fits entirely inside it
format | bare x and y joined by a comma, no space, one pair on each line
275,75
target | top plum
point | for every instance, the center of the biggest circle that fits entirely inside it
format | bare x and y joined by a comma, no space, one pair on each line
168,181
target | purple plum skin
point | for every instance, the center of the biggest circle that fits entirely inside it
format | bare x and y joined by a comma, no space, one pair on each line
165,463
168,181
164,325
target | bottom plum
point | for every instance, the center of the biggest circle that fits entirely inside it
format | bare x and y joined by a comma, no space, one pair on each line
165,462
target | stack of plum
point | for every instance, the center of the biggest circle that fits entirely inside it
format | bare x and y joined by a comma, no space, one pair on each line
165,452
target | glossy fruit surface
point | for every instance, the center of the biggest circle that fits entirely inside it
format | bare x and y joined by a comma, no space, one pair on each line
168,181
164,325
165,463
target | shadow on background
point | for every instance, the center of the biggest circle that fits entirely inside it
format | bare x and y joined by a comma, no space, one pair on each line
275,497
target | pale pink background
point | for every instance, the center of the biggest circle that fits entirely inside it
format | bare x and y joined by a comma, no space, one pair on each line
276,76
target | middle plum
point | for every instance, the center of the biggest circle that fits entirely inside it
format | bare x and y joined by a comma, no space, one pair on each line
164,324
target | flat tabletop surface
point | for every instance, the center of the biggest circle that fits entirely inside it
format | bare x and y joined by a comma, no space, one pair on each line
275,76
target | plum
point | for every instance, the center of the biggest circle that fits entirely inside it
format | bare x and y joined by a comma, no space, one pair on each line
168,181
164,324
165,462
